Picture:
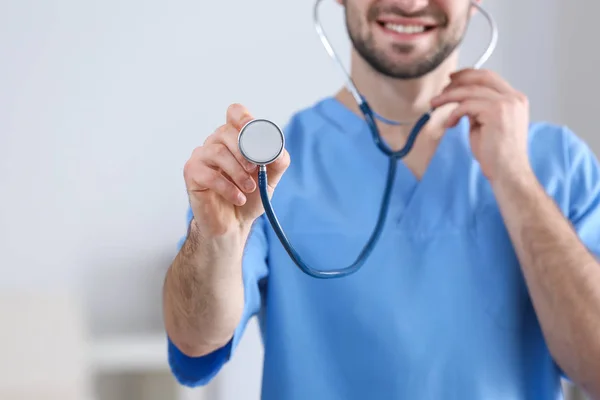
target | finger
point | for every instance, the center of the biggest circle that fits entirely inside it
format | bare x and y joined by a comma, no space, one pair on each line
471,108
480,77
219,156
238,116
205,178
277,168
462,93
228,136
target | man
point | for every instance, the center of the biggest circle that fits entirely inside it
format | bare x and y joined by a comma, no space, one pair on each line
484,284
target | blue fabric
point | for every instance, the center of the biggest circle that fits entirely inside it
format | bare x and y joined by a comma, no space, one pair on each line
439,311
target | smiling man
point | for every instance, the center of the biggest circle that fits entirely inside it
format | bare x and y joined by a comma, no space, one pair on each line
484,283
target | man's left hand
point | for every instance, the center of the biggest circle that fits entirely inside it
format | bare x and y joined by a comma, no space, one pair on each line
499,117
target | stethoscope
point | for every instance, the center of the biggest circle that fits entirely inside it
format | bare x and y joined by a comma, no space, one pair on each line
261,142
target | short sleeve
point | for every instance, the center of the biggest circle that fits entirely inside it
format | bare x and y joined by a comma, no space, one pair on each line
582,175
199,371
584,192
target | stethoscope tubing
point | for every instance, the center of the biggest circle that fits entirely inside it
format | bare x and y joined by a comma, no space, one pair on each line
365,252
370,117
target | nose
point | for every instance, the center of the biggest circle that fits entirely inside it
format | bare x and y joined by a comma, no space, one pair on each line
412,5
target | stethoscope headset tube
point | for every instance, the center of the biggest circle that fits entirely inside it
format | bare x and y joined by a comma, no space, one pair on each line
277,140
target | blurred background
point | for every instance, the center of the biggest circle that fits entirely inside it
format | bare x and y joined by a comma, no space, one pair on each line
101,104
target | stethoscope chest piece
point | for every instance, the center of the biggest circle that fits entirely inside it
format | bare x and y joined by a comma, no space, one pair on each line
261,141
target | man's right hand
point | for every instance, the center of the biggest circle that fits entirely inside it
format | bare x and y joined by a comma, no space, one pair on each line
203,290
222,184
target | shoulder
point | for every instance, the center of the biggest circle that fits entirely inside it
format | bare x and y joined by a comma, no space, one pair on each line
564,163
547,142
308,123
309,117
557,148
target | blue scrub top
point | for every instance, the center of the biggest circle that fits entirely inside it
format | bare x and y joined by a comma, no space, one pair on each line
440,310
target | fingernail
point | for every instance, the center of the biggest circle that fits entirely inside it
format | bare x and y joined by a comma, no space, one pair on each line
238,115
249,184
237,110
250,167
241,199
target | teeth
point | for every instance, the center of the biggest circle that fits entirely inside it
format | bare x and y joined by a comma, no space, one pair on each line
405,28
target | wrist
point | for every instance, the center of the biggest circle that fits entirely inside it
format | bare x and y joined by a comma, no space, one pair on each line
516,185
515,175
227,246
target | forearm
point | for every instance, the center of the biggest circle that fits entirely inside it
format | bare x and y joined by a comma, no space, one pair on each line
562,276
203,295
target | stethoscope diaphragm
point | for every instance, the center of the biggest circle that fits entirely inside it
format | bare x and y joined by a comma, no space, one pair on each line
261,141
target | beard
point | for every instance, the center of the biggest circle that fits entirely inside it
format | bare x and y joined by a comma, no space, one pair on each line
382,60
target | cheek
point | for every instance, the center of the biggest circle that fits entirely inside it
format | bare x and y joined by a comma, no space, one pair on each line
458,23
457,11
356,20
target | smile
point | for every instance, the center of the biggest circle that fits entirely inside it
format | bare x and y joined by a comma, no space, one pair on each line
405,28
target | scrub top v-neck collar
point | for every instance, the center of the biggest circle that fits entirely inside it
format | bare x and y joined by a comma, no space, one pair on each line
418,205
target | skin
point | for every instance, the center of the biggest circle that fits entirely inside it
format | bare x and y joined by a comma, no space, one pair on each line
203,293
562,276
401,79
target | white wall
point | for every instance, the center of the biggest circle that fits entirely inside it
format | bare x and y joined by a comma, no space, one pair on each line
578,63
102,102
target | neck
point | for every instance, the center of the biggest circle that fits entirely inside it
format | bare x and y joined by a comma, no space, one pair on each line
397,99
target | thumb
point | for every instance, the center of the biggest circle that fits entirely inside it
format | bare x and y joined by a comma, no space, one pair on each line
276,169
238,116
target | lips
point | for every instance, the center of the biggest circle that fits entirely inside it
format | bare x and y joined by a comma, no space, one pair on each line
406,25
406,28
